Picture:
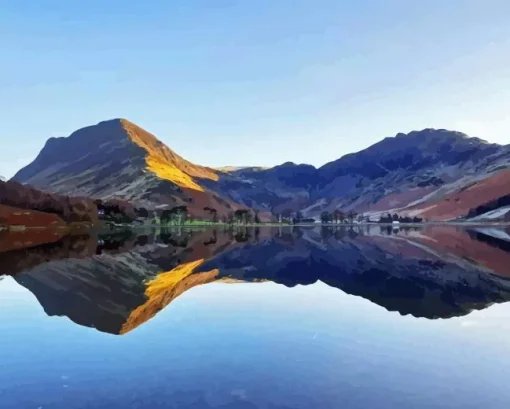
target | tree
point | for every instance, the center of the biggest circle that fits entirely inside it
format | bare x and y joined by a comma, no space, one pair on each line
287,214
351,216
4,225
386,219
142,212
257,218
299,217
336,215
175,214
395,217
182,214
242,216
167,216
213,213
361,218
325,217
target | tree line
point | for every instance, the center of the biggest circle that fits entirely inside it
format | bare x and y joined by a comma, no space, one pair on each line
180,215
338,216
390,218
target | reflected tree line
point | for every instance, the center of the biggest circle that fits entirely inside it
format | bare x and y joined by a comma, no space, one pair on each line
351,217
181,237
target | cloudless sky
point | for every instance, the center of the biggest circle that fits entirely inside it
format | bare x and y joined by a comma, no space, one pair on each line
252,82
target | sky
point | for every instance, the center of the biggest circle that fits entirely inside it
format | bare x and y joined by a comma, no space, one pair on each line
252,82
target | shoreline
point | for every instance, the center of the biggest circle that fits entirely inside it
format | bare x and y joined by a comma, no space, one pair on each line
77,228
15,239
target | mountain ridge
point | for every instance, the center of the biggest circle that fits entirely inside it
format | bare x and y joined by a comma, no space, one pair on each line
410,173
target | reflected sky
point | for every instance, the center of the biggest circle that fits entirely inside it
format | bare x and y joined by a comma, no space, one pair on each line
241,340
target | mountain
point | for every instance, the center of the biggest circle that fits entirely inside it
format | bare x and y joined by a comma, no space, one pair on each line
434,174
427,173
117,159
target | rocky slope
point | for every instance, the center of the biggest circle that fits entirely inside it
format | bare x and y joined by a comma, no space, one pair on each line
117,159
435,174
416,170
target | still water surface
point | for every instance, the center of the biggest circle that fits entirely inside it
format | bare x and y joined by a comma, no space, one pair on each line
266,318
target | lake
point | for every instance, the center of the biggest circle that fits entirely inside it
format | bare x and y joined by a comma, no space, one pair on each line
277,318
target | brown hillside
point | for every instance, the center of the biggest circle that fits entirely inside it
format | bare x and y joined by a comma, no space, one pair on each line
165,163
458,204
16,195
14,216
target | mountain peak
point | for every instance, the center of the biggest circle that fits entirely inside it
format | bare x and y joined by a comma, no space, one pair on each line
439,134
428,132
114,158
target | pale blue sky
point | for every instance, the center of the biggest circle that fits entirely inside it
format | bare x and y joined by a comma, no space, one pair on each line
252,82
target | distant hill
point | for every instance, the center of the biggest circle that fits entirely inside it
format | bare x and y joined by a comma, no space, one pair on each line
236,168
434,173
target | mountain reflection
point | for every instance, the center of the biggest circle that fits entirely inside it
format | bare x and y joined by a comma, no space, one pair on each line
117,282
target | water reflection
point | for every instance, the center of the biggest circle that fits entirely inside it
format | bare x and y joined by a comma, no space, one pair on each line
117,282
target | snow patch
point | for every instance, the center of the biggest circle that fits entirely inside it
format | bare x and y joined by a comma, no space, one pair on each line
321,202
493,214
